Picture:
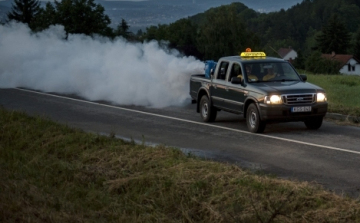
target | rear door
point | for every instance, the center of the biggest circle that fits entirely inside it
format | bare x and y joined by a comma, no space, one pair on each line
218,86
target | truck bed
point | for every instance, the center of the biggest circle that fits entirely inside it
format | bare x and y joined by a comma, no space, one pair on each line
196,81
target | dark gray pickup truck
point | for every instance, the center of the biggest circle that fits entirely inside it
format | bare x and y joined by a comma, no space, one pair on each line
262,89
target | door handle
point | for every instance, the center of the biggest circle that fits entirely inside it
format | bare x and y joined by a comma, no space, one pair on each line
226,88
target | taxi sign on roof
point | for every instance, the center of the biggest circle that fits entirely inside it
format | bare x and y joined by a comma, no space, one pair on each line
253,54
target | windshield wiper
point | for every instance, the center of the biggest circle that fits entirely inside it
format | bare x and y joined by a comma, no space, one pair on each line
282,80
258,81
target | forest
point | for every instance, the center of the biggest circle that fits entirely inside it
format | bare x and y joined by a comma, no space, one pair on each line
311,28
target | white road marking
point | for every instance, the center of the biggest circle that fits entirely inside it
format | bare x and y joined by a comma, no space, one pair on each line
198,123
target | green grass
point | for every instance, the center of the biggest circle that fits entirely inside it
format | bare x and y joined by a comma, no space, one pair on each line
343,92
52,173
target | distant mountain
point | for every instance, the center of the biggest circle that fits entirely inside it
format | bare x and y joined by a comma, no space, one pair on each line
141,14
3,11
153,12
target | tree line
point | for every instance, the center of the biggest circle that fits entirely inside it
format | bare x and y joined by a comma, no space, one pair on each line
77,17
311,27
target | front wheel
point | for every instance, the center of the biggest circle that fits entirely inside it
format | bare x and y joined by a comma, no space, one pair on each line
314,123
253,120
207,111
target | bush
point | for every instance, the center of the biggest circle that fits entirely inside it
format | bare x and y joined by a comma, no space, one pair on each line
319,65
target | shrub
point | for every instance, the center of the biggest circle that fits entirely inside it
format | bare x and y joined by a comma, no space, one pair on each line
319,65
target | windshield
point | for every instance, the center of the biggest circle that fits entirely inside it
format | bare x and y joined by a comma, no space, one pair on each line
270,71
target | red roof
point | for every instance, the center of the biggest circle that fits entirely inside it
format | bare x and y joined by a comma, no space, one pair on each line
342,58
284,51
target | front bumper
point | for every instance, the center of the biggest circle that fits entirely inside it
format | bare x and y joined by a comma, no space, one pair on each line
283,112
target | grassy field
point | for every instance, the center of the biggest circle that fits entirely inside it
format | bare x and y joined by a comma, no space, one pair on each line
343,92
52,173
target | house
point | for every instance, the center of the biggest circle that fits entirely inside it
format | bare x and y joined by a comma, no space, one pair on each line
348,63
288,54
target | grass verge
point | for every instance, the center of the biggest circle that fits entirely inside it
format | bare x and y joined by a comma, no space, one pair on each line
52,173
342,92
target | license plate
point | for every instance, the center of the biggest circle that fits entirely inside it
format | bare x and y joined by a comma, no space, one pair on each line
301,109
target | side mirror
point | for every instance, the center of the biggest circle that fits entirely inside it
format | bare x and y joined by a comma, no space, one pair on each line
236,80
303,77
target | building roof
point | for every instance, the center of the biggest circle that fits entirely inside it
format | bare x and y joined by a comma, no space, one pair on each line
284,51
342,58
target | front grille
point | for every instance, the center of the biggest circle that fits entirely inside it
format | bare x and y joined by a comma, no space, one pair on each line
298,99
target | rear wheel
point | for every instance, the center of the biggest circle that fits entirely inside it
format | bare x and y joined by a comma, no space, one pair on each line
253,120
314,123
207,111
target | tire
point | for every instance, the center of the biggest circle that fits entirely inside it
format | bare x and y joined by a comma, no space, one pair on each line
253,120
314,123
207,111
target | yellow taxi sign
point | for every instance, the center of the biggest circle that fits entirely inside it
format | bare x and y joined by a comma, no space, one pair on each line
253,54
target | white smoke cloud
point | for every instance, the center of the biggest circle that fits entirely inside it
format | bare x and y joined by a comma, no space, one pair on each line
94,68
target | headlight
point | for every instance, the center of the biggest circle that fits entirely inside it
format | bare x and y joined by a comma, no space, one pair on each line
321,97
273,99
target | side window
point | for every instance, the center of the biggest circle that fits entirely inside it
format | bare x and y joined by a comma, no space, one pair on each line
278,69
235,71
222,71
288,71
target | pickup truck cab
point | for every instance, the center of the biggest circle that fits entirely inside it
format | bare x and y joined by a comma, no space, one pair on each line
262,89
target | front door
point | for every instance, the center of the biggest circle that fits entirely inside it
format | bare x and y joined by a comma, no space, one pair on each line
234,93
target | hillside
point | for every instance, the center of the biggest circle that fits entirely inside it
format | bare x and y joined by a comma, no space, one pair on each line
228,29
295,26
3,11
141,14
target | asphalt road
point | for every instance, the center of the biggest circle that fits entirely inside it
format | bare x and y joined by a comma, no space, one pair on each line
329,156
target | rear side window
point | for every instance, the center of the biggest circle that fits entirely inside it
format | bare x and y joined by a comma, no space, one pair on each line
222,70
